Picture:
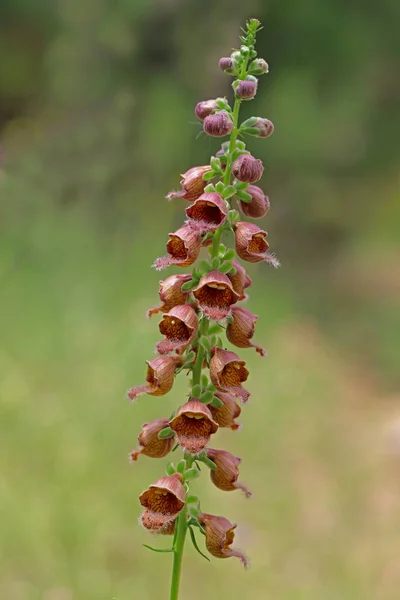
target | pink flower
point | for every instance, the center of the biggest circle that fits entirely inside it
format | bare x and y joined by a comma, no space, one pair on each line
192,183
251,243
215,295
149,442
160,377
171,293
241,330
247,168
226,414
179,326
225,476
259,204
219,537
193,425
205,108
183,249
162,501
207,213
228,372
218,124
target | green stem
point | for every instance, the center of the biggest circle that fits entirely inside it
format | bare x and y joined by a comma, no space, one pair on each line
181,529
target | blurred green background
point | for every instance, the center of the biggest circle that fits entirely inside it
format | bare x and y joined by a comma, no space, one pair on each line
96,123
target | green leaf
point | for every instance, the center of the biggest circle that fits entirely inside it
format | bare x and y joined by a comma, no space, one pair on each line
215,164
211,387
229,254
186,287
181,466
166,433
204,381
250,131
220,187
192,499
194,542
158,549
205,266
170,469
209,175
215,262
191,474
225,267
214,329
234,215
196,391
206,397
194,512
249,122
240,185
216,402
229,191
244,196
205,343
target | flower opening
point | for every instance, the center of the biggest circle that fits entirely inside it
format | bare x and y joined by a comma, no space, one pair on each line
160,377
219,537
251,243
171,294
163,501
179,326
215,295
207,213
228,372
193,425
183,249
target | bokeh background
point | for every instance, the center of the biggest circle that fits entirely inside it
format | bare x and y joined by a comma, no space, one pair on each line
96,123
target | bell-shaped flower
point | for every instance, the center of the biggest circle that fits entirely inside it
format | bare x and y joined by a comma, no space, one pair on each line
193,425
192,183
162,501
207,213
226,414
171,293
183,249
240,280
179,326
215,295
228,372
241,329
247,168
251,243
225,476
219,537
149,442
160,377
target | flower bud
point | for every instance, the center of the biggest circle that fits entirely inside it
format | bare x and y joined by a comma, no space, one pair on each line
192,183
241,329
227,472
220,536
160,377
149,443
228,372
218,124
226,63
240,280
162,501
215,295
183,249
258,67
247,168
207,213
259,204
193,425
251,243
179,326
226,414
171,293
264,126
245,89
205,108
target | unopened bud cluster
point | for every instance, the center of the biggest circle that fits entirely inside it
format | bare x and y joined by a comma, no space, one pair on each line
197,307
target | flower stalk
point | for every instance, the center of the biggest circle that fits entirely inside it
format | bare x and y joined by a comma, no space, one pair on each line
197,308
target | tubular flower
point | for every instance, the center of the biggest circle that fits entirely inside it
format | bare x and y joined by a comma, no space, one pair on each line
247,168
220,536
149,443
218,124
183,249
205,108
215,295
160,377
228,372
240,331
193,425
225,415
240,280
207,213
162,501
192,183
227,472
251,243
179,326
259,204
171,293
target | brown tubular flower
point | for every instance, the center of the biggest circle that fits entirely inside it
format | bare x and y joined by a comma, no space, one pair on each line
162,501
183,249
240,331
215,295
179,326
149,443
192,184
207,213
259,204
171,293
226,414
247,168
193,425
227,472
160,377
219,537
218,124
240,280
251,243
228,372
